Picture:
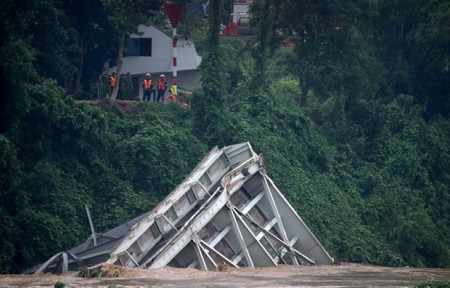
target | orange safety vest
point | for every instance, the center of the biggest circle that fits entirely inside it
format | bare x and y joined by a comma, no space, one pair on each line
112,81
162,85
147,84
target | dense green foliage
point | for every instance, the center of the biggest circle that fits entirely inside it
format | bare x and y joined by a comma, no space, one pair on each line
353,121
434,284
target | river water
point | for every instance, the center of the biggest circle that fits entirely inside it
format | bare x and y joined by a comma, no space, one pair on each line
330,276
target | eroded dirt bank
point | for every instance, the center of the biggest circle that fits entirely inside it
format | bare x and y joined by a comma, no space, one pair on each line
344,275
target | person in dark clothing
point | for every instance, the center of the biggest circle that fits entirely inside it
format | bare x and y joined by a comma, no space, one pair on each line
103,84
128,87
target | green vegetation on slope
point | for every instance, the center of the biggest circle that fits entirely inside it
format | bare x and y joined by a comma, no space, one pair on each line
369,174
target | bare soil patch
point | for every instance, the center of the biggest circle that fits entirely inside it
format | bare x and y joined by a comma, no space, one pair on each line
125,105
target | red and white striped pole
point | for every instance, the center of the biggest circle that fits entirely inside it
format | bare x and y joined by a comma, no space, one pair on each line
174,57
174,11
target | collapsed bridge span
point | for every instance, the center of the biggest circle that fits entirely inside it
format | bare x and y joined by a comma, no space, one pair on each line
226,211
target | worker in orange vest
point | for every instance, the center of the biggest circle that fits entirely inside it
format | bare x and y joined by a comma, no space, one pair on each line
112,83
148,87
162,86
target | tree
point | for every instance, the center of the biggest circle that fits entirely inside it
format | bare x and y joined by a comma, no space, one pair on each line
208,104
264,13
412,39
330,46
12,199
17,58
94,43
125,17
55,41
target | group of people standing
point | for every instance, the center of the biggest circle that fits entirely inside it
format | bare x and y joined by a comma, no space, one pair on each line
107,83
149,92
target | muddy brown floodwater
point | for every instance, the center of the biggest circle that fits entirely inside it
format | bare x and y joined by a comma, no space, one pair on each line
343,275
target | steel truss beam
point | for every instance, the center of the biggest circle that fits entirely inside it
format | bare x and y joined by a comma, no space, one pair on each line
227,211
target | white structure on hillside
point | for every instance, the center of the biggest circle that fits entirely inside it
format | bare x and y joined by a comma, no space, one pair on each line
151,52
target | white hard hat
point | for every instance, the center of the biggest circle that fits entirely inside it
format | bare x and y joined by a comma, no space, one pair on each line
162,76
148,74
